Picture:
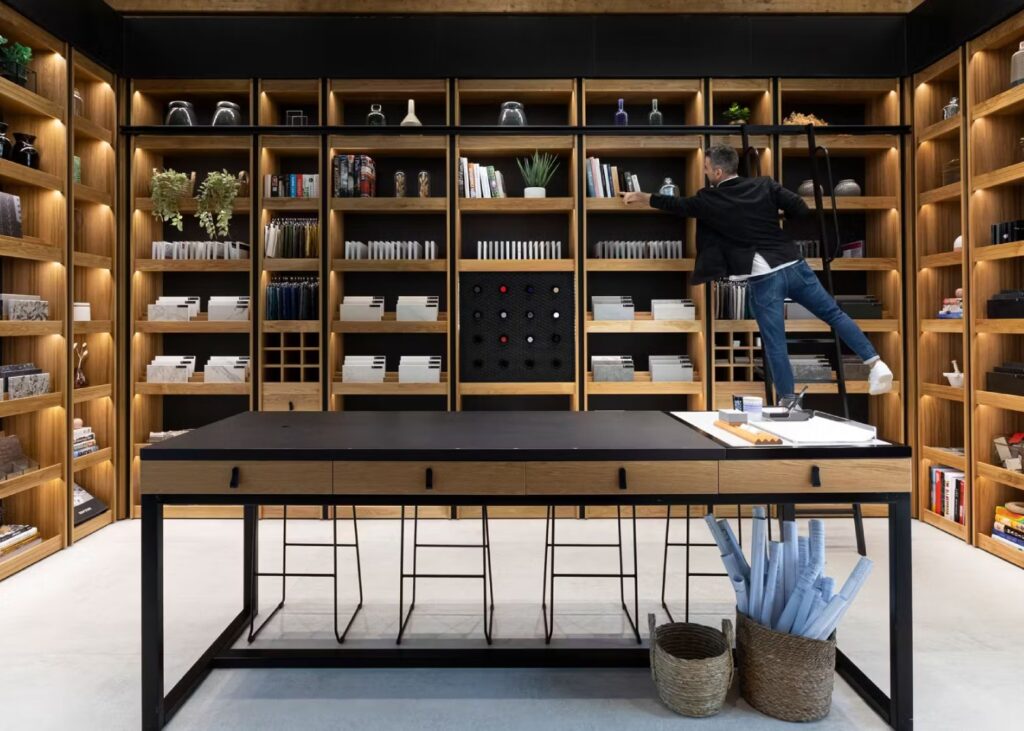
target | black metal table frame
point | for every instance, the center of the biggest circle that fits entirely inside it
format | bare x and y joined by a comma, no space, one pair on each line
895,709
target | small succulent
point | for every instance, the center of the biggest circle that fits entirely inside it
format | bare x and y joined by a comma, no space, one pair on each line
538,170
736,114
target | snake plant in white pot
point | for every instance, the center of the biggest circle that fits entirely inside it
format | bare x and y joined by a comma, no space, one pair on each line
537,172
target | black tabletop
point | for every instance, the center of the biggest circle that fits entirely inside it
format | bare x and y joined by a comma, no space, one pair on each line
438,435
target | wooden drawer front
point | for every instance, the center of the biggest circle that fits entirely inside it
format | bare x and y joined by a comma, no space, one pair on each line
795,475
254,477
447,478
291,397
602,478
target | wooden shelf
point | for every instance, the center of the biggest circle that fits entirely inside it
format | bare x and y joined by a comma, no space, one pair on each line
291,204
391,387
389,265
939,456
30,248
94,261
193,265
940,130
938,390
616,205
859,264
810,326
856,388
1000,549
436,204
88,194
643,322
91,393
18,99
214,143
516,144
196,387
943,523
840,145
14,564
15,174
1009,175
567,388
999,400
92,459
29,404
936,325
660,146
14,485
999,326
389,324
92,525
191,205
30,328
946,194
196,327
640,265
1001,475
517,205
84,127
1008,102
91,327
945,259
643,385
993,252
291,326
411,145
517,265
274,264
858,203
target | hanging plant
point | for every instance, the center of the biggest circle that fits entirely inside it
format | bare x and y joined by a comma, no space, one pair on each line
167,188
216,202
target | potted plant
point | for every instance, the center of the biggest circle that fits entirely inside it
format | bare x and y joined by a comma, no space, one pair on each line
537,173
167,188
15,61
736,114
216,202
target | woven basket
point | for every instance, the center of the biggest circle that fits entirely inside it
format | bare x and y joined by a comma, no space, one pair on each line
784,676
691,666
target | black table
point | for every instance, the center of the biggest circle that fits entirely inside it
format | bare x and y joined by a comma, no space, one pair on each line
495,458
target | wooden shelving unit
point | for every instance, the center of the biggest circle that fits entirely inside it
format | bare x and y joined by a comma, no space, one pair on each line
37,263
94,272
943,413
995,116
160,406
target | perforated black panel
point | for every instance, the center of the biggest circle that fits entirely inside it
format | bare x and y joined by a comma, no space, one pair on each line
517,326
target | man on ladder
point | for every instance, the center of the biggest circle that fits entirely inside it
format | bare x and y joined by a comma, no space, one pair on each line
739,237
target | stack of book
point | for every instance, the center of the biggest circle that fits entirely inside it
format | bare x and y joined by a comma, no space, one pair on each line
354,176
199,250
607,181
292,238
15,539
390,250
947,496
86,505
480,181
85,442
518,249
638,250
301,185
1008,527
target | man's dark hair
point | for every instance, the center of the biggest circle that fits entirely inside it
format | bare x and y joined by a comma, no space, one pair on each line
724,157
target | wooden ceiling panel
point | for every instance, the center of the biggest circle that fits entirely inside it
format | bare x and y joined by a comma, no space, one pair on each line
515,6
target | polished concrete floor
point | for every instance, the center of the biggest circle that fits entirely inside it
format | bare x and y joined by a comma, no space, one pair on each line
69,632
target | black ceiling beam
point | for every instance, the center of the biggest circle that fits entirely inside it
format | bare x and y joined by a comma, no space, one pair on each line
935,28
91,26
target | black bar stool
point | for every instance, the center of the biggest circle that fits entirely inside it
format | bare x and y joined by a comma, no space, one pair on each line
284,574
486,576
550,544
688,574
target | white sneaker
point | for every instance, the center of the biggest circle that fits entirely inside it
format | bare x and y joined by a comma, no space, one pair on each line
879,379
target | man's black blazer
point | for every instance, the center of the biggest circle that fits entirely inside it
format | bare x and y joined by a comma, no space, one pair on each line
735,220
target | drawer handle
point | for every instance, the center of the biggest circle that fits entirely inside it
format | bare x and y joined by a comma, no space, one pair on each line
430,478
622,478
815,476
291,406
234,478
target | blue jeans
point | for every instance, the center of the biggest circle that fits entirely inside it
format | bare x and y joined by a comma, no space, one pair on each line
800,284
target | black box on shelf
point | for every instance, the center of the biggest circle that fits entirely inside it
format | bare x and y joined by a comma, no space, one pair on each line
860,306
1007,378
1007,304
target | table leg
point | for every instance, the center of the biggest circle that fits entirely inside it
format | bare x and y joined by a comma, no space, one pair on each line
901,645
250,560
152,612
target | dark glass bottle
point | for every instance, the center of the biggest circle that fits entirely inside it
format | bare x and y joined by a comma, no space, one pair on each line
25,151
6,146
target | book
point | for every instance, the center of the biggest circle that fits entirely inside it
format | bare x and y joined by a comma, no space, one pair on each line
595,167
615,180
1008,541
590,179
12,534
501,183
492,181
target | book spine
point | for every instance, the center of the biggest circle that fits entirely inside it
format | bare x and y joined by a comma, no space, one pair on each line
590,179
492,181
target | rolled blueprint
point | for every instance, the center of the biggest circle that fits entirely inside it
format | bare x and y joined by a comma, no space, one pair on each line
730,537
790,550
758,544
771,583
